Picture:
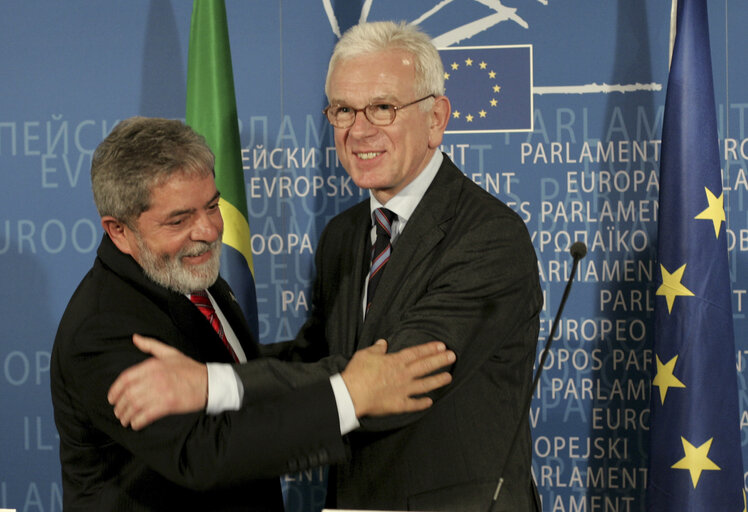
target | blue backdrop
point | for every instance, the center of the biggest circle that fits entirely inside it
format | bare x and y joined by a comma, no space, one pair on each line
584,83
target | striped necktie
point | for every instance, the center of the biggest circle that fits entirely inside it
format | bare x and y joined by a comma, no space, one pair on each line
380,251
202,301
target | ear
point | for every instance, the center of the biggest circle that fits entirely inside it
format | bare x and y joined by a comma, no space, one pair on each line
120,234
439,117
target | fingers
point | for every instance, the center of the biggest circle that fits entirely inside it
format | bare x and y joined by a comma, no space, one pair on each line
130,377
165,384
418,352
152,346
123,409
137,417
379,347
125,379
412,399
141,418
129,390
140,395
429,364
426,384
417,404
381,383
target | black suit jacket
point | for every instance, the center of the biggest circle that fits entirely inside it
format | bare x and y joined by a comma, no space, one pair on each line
463,271
187,462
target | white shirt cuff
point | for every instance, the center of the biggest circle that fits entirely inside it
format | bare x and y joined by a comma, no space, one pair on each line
225,393
346,412
225,389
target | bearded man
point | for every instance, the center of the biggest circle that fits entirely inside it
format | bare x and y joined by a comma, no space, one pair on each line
157,274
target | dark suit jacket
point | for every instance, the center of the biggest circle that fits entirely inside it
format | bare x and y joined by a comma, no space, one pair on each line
188,462
463,271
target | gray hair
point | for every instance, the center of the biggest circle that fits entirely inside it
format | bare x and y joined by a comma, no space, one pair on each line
368,38
139,154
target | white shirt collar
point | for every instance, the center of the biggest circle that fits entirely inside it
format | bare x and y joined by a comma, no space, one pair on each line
405,202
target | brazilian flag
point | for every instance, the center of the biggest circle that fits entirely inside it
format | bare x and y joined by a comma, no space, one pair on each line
211,111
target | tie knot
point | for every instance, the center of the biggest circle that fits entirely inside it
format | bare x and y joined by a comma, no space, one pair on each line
200,298
383,219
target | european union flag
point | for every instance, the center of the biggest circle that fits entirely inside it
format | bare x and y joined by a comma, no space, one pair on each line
490,88
695,454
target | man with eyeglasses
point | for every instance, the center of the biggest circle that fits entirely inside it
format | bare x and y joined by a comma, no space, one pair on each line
461,269
430,255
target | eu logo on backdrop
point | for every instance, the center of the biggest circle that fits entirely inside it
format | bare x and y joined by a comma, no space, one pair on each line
490,88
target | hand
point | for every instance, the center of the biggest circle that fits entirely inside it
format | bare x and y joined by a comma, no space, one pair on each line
381,383
167,383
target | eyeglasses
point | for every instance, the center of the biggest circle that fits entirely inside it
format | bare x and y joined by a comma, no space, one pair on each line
379,114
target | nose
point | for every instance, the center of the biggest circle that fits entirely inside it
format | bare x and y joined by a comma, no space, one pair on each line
208,226
361,125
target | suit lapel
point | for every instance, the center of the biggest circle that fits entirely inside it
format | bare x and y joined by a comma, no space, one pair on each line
194,327
424,231
361,248
232,311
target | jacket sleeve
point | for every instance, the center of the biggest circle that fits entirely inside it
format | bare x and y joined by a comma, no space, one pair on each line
267,437
479,294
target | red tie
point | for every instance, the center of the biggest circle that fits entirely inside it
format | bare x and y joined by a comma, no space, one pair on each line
201,300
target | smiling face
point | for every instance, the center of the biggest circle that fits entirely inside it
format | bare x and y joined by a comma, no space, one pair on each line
177,241
385,159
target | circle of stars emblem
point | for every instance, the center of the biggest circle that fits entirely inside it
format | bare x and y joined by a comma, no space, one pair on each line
479,71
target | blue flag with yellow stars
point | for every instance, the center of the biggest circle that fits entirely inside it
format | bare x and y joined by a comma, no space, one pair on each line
695,454
489,87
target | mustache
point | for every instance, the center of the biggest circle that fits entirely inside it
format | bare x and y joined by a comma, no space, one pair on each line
199,248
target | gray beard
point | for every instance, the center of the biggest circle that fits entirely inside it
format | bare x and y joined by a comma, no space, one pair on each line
171,273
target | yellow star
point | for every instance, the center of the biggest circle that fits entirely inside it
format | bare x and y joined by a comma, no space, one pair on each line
671,286
455,65
715,212
446,76
492,74
468,61
696,460
665,378
469,118
482,113
456,114
494,102
496,88
483,65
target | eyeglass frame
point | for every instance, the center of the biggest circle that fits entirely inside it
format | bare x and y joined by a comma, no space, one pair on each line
366,115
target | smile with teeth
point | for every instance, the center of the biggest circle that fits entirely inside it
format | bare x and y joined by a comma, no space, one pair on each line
369,155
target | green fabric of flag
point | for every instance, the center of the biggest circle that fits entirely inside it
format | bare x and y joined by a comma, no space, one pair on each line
211,111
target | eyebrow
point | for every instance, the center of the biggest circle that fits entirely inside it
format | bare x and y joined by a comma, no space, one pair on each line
177,213
377,99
